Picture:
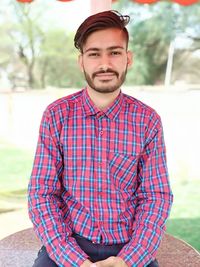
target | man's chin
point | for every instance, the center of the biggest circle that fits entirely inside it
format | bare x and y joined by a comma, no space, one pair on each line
105,90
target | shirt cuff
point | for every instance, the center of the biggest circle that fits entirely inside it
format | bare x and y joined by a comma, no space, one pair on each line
135,256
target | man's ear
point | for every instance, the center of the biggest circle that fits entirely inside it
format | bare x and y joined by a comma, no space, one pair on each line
80,61
129,58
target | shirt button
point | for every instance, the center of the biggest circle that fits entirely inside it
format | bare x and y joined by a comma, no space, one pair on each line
101,132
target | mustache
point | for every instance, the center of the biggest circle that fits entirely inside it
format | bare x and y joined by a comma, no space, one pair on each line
105,71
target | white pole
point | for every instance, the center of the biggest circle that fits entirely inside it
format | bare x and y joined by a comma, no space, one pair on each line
169,64
100,5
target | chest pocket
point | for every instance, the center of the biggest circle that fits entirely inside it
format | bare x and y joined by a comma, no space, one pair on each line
123,171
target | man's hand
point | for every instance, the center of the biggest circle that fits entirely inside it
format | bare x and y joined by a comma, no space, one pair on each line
86,263
110,262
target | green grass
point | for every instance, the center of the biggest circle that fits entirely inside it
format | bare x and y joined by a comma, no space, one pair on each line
186,229
185,215
15,169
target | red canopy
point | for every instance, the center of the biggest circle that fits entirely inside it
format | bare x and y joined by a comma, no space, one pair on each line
181,2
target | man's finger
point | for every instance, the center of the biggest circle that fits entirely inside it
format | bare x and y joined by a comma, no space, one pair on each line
109,262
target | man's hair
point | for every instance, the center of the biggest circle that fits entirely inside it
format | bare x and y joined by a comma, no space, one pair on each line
100,21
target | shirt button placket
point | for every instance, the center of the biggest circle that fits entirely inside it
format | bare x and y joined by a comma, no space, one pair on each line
100,157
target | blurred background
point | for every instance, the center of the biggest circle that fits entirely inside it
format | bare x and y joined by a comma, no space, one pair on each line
38,64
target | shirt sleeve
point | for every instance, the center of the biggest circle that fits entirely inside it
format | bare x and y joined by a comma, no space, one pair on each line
46,208
154,199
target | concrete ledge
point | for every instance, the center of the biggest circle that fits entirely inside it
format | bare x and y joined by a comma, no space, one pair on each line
20,250
174,252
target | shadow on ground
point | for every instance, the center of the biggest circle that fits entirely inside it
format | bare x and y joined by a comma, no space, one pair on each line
13,201
6,210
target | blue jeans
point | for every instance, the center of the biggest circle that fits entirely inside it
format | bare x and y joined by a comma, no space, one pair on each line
96,252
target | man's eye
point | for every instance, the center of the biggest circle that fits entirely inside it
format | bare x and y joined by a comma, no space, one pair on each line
115,53
93,55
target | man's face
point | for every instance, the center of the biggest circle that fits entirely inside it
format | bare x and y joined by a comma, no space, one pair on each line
105,60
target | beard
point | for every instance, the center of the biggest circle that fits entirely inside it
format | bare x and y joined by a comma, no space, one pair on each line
105,86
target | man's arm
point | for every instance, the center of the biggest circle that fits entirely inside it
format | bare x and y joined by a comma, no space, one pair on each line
154,199
46,208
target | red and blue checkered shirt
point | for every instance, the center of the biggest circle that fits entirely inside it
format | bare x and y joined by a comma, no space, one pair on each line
102,175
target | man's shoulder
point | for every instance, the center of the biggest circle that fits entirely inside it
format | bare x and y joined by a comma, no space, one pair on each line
139,106
65,103
143,113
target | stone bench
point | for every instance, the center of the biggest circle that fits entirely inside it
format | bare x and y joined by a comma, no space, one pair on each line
20,250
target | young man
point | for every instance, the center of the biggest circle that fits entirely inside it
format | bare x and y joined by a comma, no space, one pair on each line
99,193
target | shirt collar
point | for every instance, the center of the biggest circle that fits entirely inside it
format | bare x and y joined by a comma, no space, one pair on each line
111,111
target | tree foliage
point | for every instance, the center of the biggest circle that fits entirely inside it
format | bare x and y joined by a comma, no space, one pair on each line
152,28
58,60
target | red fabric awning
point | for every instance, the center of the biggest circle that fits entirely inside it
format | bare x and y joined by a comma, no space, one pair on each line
181,2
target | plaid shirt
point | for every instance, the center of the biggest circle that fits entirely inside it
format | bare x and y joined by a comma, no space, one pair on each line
101,174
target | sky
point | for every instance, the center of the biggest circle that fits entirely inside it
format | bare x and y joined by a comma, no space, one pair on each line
68,15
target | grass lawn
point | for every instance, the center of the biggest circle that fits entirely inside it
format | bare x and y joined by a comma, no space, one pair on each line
186,229
185,214
15,169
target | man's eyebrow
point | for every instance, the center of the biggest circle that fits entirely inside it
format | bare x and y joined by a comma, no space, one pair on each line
115,47
95,49
91,49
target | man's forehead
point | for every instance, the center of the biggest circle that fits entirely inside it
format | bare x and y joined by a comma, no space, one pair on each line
106,39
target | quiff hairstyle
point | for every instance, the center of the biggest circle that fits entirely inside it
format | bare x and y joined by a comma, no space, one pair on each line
100,21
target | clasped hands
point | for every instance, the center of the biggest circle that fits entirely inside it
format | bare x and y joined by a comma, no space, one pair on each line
109,262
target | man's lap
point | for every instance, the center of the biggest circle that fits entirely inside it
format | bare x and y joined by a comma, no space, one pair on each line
96,252
43,260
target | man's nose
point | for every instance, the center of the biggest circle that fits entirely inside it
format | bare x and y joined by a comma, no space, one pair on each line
104,63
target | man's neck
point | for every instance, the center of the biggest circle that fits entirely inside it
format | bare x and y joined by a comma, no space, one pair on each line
102,100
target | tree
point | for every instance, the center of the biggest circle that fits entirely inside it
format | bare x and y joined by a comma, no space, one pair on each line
28,37
151,30
57,62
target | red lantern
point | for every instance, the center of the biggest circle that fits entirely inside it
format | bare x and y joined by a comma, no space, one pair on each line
186,2
181,2
25,1
146,1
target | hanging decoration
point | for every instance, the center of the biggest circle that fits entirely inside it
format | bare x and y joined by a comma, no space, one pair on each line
186,2
146,1
25,1
181,2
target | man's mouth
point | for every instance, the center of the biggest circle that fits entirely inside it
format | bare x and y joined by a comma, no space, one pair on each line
105,75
